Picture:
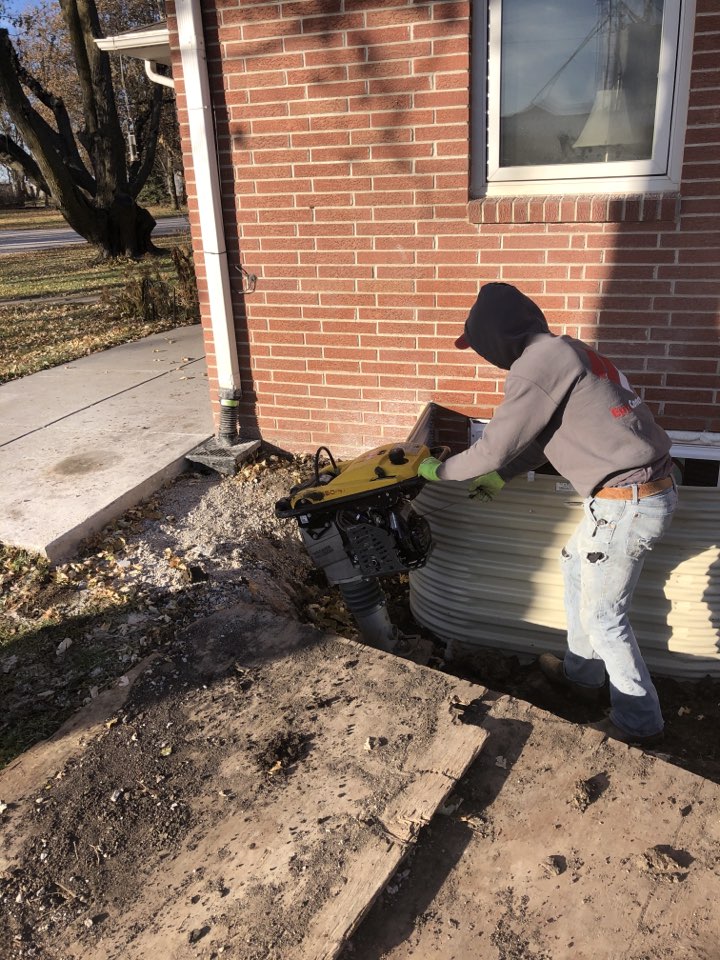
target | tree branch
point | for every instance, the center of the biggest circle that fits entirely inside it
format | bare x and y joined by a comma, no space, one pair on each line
75,32
14,157
62,119
108,215
37,135
147,137
105,143
62,139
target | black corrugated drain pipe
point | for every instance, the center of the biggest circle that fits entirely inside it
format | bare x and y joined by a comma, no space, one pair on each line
229,417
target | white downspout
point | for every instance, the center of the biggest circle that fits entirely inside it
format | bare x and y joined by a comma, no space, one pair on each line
152,71
207,178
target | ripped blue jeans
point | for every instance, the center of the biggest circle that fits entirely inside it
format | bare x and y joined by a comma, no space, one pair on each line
601,565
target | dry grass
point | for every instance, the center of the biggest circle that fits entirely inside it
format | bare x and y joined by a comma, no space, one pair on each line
30,218
37,338
72,270
86,603
45,332
58,272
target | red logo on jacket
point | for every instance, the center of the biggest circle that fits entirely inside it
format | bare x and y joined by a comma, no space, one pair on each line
606,370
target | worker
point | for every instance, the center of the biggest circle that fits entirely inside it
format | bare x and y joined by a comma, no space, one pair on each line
569,405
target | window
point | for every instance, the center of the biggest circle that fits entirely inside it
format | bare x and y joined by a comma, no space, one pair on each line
579,95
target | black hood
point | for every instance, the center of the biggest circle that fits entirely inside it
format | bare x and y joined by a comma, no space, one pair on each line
501,324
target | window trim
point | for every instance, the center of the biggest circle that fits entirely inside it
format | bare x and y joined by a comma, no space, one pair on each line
674,121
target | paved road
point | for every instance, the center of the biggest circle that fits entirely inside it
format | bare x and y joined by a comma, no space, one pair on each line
27,241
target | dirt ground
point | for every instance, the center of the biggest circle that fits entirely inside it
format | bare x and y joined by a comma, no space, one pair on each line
256,789
201,546
557,845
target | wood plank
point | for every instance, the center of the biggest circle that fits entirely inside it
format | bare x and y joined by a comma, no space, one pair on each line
438,770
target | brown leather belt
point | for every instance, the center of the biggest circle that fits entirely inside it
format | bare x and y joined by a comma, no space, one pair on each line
643,490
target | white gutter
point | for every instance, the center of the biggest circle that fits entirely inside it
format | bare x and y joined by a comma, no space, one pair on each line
151,43
207,178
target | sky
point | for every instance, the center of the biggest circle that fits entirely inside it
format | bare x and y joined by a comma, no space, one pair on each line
11,7
16,6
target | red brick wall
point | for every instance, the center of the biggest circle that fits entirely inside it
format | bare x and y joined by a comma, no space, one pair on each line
343,137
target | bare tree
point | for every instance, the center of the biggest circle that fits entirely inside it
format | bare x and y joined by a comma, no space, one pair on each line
78,155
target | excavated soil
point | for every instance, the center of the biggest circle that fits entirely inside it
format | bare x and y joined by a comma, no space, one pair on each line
234,795
206,543
200,547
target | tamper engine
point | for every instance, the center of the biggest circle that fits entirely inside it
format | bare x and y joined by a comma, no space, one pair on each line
357,522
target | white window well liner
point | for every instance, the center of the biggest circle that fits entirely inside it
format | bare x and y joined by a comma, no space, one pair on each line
493,578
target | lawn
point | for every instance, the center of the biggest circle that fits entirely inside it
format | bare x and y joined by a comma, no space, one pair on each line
36,217
129,300
69,270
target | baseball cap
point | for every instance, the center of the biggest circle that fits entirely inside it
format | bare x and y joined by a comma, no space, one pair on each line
462,342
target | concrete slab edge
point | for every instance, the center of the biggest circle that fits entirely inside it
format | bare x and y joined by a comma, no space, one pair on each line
65,546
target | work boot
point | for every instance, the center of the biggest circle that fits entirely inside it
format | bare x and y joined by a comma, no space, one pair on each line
615,733
554,671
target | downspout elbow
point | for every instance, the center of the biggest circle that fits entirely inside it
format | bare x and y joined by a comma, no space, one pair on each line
151,69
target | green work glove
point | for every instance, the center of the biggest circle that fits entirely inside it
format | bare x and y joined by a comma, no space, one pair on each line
429,467
487,485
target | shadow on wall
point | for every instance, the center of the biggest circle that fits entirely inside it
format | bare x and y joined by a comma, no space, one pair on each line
257,225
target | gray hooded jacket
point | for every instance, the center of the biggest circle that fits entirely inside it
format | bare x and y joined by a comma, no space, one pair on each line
564,403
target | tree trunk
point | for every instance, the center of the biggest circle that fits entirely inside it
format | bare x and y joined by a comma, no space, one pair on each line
122,230
169,170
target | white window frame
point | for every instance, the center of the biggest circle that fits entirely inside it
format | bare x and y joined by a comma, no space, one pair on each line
660,174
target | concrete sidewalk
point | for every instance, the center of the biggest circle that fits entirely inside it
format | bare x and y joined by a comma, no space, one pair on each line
82,442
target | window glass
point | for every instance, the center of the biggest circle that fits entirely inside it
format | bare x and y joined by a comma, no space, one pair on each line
578,81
